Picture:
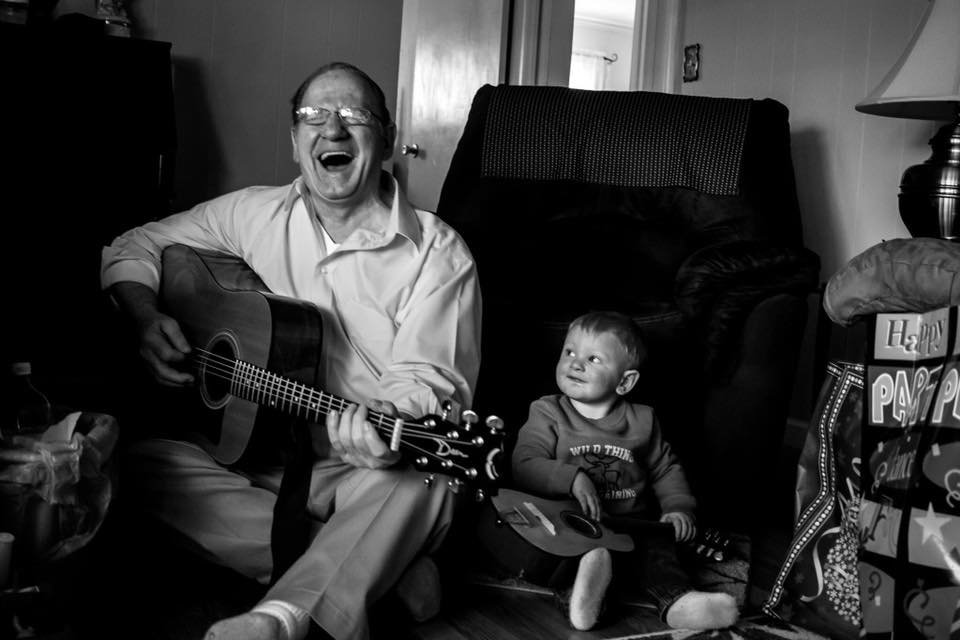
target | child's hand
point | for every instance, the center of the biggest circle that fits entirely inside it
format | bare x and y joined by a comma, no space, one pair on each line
682,524
586,494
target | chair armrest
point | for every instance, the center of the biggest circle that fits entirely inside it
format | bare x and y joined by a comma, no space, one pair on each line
717,286
901,275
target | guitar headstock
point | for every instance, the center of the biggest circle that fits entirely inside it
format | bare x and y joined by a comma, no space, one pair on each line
468,452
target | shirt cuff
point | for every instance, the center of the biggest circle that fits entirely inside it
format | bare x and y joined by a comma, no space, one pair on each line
131,271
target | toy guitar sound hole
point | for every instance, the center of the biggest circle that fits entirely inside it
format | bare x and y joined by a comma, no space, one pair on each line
580,524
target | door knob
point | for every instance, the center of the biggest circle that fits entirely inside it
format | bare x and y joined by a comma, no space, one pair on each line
410,149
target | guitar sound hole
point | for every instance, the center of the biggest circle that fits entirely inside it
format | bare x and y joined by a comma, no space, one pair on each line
580,524
218,369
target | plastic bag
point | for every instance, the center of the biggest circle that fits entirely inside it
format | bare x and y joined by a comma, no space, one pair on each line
56,489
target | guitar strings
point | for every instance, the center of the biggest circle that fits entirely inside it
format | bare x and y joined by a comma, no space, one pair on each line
275,387
222,373
225,369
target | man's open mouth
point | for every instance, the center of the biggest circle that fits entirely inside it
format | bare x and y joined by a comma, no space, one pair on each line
335,159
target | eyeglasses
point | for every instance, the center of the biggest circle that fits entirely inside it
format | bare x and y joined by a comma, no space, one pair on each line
349,116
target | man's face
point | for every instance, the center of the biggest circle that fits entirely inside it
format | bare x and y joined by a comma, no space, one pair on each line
591,366
340,163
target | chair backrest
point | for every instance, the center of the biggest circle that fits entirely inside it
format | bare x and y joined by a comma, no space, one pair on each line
543,144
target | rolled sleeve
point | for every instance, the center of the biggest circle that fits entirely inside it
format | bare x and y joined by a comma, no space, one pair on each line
436,351
136,254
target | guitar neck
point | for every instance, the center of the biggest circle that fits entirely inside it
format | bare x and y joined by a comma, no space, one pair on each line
263,387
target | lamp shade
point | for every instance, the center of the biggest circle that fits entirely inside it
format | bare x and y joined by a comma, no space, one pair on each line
925,81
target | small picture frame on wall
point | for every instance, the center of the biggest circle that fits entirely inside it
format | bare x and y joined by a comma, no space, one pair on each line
691,63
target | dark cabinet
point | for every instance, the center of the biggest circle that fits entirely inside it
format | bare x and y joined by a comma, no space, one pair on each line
87,152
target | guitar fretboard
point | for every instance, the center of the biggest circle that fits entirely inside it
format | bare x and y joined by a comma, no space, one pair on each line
253,383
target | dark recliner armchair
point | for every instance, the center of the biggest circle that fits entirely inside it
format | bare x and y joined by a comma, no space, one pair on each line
680,211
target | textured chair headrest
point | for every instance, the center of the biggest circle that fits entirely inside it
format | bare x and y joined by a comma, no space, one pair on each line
620,138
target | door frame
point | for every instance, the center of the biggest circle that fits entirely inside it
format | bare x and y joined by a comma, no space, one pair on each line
542,35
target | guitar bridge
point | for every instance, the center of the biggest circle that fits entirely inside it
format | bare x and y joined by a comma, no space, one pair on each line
515,517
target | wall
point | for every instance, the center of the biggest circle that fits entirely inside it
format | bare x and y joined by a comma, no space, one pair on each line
236,64
820,57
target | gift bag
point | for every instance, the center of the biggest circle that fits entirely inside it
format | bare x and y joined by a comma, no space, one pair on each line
910,514
817,585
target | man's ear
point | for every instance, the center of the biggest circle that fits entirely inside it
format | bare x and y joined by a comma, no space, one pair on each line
389,137
627,381
293,145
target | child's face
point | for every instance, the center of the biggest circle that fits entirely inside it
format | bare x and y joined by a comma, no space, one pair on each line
591,367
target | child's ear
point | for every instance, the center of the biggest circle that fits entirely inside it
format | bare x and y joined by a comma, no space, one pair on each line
627,381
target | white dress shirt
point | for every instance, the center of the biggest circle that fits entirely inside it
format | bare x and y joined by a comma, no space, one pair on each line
401,305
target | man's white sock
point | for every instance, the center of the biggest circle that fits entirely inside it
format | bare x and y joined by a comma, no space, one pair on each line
294,620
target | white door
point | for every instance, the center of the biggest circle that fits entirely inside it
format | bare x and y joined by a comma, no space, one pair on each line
448,50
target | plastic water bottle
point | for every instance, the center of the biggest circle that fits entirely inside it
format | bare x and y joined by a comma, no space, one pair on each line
32,407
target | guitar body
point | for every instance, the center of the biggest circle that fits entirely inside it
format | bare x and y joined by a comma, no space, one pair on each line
525,547
224,308
256,358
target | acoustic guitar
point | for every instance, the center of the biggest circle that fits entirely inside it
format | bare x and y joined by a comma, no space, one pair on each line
256,356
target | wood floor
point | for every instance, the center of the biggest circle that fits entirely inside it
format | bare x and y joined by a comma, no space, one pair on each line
124,580
482,612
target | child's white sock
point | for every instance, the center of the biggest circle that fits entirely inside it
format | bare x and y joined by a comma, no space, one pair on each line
702,610
295,621
593,578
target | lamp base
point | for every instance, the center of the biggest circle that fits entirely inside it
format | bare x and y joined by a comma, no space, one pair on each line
930,192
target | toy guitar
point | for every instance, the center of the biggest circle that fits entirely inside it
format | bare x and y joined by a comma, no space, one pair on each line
560,528
242,334
557,527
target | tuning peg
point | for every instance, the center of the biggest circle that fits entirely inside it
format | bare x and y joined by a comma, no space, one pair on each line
469,418
480,495
429,480
421,461
453,434
446,407
495,423
455,485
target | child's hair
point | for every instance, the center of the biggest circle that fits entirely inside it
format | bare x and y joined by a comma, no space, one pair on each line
621,326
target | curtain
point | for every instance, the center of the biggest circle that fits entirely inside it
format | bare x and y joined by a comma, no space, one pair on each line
588,69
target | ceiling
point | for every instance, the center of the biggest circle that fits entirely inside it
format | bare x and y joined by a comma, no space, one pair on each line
619,12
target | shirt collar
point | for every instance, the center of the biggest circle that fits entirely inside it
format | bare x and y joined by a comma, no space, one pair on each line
403,217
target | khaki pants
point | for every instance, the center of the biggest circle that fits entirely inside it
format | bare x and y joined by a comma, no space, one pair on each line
370,525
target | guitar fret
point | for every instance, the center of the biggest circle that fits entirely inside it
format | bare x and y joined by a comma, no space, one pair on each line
243,379
311,405
253,385
274,389
262,388
298,397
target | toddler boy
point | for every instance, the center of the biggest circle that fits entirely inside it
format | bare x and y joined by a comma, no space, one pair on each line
590,443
